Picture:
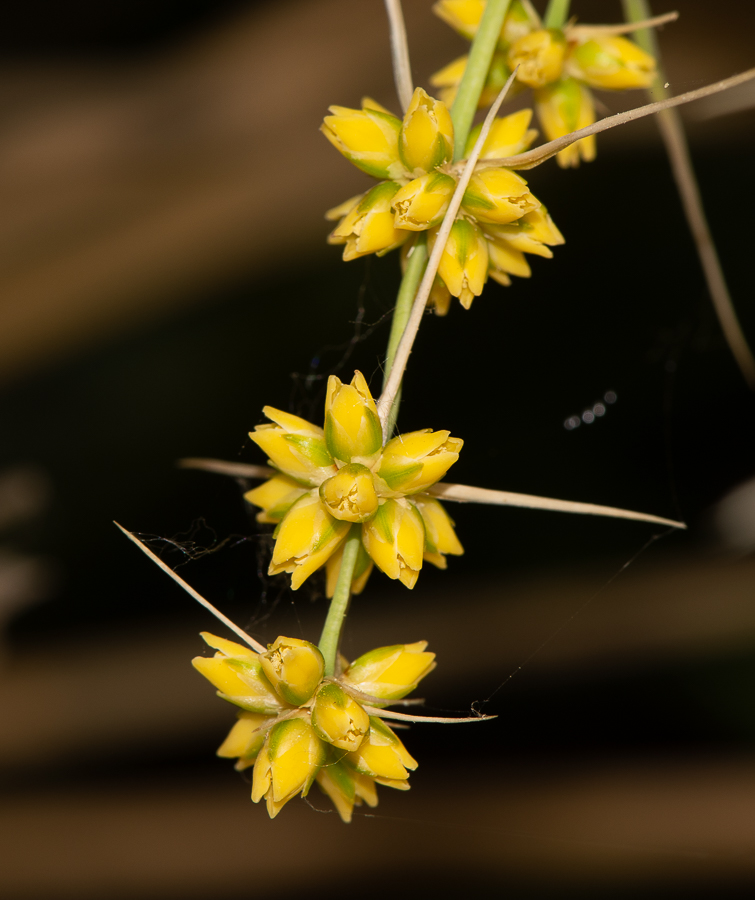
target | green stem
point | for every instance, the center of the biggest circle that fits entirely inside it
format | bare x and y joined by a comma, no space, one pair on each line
556,14
331,632
415,269
476,72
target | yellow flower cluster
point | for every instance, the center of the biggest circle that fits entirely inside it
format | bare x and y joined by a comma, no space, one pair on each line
560,65
296,727
333,478
500,219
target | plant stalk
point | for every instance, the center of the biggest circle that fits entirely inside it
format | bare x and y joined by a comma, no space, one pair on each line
331,632
476,72
556,14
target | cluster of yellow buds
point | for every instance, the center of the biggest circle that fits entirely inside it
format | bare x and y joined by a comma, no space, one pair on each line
499,221
297,727
341,476
561,65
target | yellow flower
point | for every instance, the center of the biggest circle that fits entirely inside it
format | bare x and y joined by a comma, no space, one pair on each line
326,732
350,477
464,263
381,755
611,62
338,718
539,56
415,199
390,673
237,673
548,60
287,764
563,107
440,537
369,227
294,668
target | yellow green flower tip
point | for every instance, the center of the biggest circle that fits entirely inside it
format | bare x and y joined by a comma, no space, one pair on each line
294,446
362,571
369,227
245,739
338,718
422,203
505,260
237,674
305,538
345,787
530,234
338,212
391,672
611,62
352,426
381,754
440,297
498,196
539,55
464,262
464,17
287,764
350,495
562,108
426,139
508,136
413,462
440,537
368,138
294,668
275,497
395,540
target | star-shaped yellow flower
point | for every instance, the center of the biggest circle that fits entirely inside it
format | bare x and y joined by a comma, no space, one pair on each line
560,65
414,156
331,478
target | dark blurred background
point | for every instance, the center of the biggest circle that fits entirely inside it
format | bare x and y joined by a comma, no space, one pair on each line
164,274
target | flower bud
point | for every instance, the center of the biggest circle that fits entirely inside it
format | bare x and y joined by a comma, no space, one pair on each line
345,787
294,668
368,138
287,764
508,136
294,446
369,226
350,494
440,537
562,108
381,754
464,263
362,571
462,15
245,739
530,234
498,196
423,202
611,62
352,426
338,718
275,497
413,462
440,297
305,538
395,539
426,139
539,55
505,260
236,672
391,672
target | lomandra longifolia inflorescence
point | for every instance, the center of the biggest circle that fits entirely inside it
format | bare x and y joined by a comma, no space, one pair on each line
350,494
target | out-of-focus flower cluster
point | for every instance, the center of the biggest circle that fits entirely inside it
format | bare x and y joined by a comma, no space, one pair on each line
341,476
560,65
499,221
297,727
